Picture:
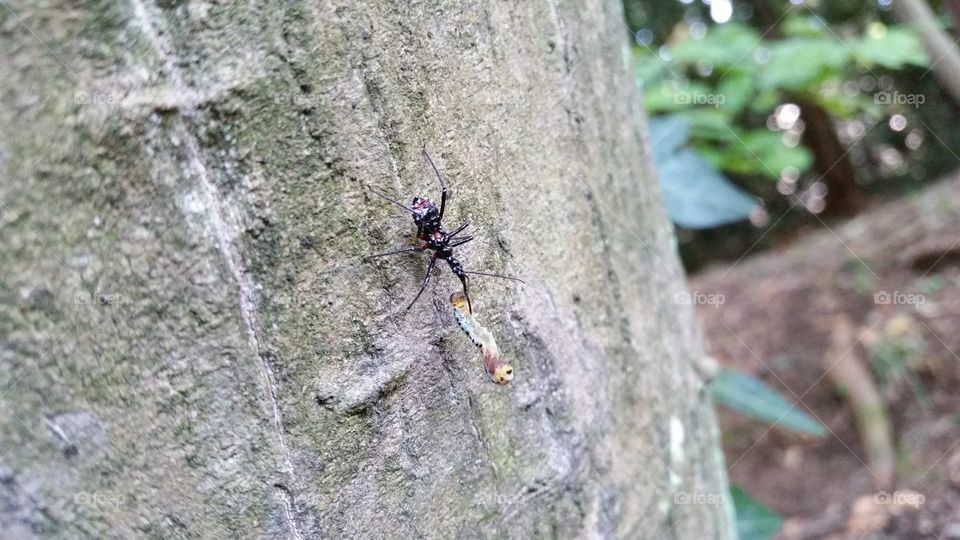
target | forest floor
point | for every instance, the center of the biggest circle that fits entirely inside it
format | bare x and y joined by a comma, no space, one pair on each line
878,295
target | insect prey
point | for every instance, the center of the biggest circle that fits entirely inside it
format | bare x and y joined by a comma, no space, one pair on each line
496,369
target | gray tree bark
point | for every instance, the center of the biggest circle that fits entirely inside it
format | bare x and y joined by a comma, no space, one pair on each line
193,347
943,51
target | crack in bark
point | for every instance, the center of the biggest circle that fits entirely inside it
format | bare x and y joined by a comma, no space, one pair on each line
474,411
226,245
378,116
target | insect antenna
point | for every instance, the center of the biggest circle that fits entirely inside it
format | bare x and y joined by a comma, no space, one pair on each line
443,187
495,275
383,196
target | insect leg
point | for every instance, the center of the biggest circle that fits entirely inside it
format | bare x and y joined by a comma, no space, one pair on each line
461,241
463,279
459,229
443,187
457,269
426,280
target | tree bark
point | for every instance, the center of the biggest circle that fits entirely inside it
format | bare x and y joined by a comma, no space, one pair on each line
193,346
944,54
831,161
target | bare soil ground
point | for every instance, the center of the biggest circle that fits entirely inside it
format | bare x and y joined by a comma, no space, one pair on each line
892,276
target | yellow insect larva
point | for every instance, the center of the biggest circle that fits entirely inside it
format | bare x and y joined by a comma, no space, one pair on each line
498,372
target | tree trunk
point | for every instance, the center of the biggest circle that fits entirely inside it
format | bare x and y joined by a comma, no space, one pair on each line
193,345
831,161
944,54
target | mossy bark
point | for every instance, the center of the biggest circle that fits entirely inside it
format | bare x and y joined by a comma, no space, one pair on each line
193,346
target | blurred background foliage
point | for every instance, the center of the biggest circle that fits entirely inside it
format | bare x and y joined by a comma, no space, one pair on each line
769,119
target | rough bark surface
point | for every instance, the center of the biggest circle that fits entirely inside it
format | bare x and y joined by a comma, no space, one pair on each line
192,345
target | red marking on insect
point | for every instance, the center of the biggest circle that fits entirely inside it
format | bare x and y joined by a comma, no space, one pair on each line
438,236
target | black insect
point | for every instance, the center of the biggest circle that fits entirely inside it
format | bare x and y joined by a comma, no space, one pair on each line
428,217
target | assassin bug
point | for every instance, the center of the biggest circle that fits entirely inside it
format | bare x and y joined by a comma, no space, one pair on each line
427,216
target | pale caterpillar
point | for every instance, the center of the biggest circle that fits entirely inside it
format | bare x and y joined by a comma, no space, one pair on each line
498,372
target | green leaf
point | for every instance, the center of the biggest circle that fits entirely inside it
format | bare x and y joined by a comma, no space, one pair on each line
711,125
724,46
697,196
802,63
736,90
802,26
668,134
766,101
846,106
659,98
647,67
751,396
754,520
712,155
761,151
767,147
674,95
892,48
